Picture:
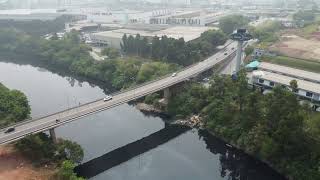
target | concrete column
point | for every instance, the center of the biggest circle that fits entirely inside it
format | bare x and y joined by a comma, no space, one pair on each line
239,56
166,94
53,135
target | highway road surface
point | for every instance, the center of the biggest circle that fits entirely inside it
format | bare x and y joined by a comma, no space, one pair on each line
45,123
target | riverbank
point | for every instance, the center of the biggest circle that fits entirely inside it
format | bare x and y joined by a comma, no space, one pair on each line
14,166
197,122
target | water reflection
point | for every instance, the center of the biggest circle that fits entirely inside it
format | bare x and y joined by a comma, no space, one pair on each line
188,156
129,151
235,165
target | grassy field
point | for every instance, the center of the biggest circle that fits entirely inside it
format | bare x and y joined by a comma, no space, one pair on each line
293,62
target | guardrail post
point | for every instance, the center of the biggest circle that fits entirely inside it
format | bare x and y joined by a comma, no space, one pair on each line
53,135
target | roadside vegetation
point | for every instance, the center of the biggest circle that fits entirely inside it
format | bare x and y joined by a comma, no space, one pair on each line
274,127
14,106
307,65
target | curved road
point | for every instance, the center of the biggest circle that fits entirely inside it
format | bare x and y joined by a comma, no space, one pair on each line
45,123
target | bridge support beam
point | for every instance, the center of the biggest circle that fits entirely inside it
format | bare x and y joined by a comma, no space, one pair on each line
53,135
166,95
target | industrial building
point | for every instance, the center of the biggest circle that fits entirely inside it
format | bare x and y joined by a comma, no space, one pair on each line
114,38
189,18
270,75
28,14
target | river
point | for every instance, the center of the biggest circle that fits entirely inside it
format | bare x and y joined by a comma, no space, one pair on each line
123,143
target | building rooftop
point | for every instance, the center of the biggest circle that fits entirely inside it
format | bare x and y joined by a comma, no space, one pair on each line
285,80
296,73
188,33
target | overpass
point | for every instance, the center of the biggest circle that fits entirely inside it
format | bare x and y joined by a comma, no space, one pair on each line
164,83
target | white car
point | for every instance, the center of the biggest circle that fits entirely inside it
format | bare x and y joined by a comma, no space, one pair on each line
174,75
108,98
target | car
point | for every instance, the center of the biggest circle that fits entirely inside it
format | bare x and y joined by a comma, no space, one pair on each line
9,130
225,54
206,79
174,75
57,120
107,98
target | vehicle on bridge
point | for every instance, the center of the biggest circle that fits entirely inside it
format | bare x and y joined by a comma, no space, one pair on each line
9,130
107,98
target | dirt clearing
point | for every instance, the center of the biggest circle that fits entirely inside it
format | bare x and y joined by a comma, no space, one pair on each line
298,47
13,166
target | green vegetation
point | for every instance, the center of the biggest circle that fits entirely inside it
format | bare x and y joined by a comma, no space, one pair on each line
14,106
154,70
249,50
66,172
153,99
267,32
112,53
41,149
304,17
69,55
293,62
273,127
309,30
37,27
232,22
170,50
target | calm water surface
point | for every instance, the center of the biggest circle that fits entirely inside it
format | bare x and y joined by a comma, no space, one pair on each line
142,146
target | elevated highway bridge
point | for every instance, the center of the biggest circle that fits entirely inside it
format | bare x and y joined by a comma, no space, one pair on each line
49,122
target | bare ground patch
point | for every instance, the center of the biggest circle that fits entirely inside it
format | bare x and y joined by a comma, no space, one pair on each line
13,166
298,47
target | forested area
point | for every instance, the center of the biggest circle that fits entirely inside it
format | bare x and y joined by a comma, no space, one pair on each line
40,149
14,106
272,127
232,22
37,27
69,54
170,50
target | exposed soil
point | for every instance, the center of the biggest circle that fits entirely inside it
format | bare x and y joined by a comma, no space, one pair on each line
13,166
298,47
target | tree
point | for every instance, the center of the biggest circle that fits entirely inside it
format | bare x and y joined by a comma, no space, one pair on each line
112,53
70,150
66,172
249,50
306,17
39,148
294,85
232,22
14,106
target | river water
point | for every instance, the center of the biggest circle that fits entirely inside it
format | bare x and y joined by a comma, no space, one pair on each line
123,143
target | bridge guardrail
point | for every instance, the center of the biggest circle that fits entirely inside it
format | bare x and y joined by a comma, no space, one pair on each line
3,128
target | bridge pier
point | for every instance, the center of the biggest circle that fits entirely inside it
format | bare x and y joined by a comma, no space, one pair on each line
53,135
166,94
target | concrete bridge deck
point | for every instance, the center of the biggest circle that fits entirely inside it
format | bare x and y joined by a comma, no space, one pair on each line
49,122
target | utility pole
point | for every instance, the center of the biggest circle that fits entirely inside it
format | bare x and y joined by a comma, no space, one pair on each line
240,35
